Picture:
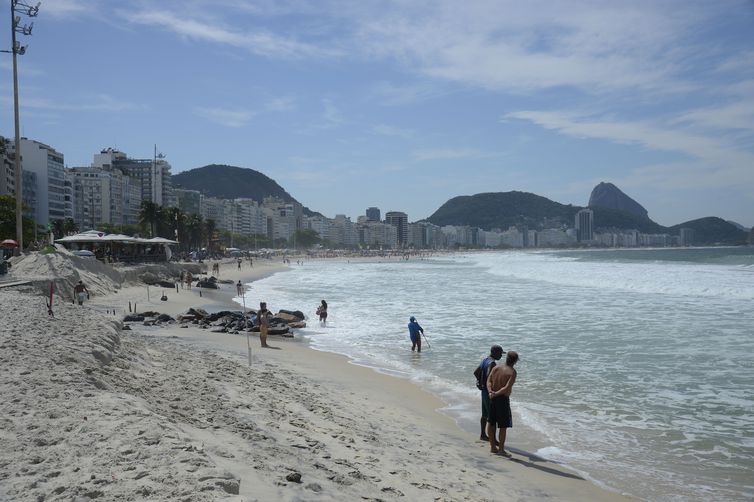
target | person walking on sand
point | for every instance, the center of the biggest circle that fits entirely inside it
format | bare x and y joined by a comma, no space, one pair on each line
189,279
239,263
263,318
499,384
415,332
239,288
80,292
481,373
322,312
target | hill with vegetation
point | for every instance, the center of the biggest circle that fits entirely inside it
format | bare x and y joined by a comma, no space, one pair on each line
504,209
231,182
712,230
501,210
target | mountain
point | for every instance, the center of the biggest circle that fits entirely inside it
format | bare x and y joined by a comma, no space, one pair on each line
610,196
738,225
231,182
501,210
712,230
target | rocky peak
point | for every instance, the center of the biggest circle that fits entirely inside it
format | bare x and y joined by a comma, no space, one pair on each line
610,196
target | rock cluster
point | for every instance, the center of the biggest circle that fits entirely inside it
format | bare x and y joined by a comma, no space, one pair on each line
225,321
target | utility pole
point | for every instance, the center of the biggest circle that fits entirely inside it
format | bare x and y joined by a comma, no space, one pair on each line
20,50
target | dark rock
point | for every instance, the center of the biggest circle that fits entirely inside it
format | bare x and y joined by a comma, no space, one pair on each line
231,486
197,313
295,313
126,328
133,318
294,477
164,318
150,313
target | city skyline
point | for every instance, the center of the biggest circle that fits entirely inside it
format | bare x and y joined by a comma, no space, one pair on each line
406,105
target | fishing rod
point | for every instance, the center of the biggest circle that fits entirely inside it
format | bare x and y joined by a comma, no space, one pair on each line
426,340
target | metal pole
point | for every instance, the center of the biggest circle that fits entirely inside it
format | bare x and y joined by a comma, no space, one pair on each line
19,177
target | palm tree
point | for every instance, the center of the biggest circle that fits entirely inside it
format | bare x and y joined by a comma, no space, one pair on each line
173,223
194,227
209,231
149,214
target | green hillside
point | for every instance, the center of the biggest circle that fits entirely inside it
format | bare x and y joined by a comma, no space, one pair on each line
231,182
501,210
712,230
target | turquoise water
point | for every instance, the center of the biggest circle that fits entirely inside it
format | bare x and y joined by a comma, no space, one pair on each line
637,366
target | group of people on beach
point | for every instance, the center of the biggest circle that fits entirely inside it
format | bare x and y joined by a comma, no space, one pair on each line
495,383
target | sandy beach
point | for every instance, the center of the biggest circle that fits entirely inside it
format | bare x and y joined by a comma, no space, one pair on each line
92,411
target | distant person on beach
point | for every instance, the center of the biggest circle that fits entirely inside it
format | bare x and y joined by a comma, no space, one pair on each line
239,288
189,279
322,312
499,384
80,292
239,263
263,318
183,278
481,373
415,332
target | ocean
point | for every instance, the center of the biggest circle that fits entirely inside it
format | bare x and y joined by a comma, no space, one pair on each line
637,366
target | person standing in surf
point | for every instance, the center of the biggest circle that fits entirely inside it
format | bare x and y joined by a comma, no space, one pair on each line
415,332
499,384
481,373
322,312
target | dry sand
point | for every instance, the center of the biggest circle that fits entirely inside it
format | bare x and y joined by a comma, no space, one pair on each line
166,413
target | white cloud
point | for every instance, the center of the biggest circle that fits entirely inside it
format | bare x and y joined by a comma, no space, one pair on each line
64,8
386,130
282,104
225,117
260,42
96,103
711,160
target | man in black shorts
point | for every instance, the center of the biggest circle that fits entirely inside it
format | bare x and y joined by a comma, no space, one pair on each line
481,373
499,384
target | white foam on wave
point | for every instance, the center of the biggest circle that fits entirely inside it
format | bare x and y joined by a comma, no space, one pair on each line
672,278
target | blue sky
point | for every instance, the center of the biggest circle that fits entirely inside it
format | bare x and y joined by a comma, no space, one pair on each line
405,104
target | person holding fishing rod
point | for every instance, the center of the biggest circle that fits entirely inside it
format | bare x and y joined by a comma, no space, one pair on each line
415,332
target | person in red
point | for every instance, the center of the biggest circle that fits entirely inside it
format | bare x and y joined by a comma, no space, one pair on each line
499,385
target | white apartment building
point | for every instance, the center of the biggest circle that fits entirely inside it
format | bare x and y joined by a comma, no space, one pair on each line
48,166
104,195
376,235
151,175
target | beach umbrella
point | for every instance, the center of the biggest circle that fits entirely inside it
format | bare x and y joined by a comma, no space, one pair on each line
9,243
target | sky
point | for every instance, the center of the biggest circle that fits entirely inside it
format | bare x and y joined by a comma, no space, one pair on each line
405,104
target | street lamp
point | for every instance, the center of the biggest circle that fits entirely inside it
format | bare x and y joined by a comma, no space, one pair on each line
18,49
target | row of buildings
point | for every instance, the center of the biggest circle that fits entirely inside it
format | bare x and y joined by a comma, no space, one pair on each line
112,188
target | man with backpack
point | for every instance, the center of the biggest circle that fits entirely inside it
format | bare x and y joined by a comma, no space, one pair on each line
481,373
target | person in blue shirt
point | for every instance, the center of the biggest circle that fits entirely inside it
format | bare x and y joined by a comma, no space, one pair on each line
415,331
481,374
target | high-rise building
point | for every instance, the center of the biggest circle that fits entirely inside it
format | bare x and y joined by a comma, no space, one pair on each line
373,214
399,220
7,169
104,195
584,225
687,236
151,175
47,164
189,201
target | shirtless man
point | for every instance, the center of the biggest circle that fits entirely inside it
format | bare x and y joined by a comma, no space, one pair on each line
499,384
80,292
